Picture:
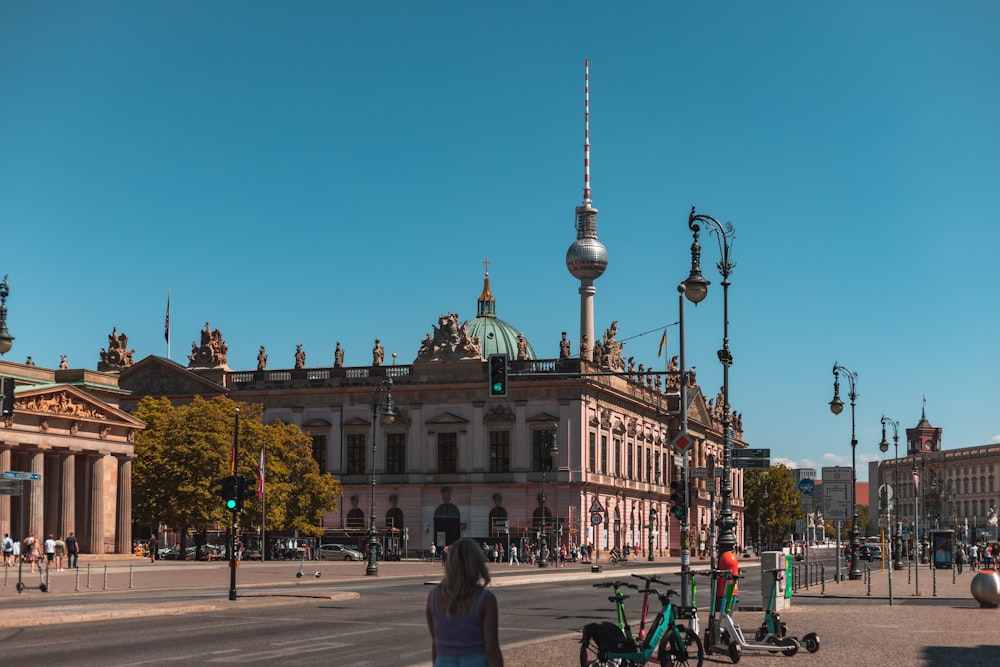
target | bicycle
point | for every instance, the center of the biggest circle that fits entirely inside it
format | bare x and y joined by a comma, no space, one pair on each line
606,644
614,555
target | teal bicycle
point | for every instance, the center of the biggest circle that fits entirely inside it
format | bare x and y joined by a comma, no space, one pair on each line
610,645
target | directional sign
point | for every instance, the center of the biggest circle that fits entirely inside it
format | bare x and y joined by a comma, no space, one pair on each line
10,487
806,486
698,473
751,458
14,474
837,494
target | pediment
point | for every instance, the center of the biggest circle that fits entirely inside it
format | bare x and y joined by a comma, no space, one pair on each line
357,421
71,403
317,423
698,408
446,418
543,418
157,376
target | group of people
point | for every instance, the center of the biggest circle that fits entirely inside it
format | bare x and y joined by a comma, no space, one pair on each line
530,553
974,555
54,552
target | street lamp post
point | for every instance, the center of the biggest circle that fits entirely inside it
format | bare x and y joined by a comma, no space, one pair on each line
6,340
897,562
696,289
549,452
388,417
836,407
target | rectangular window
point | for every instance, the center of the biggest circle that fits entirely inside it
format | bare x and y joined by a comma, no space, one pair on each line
619,465
499,451
656,460
395,453
319,451
356,454
649,464
638,463
447,453
604,455
630,466
593,452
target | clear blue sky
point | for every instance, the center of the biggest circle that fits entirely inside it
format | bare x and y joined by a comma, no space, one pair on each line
314,172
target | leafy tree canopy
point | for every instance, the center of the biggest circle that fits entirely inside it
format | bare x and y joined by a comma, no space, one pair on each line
772,504
185,448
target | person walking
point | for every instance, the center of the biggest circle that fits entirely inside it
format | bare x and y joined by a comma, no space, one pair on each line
154,548
960,559
50,551
8,550
72,551
462,614
513,555
60,554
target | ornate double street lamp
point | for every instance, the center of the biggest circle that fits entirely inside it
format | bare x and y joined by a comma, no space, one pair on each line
696,289
897,562
549,452
6,340
388,415
836,407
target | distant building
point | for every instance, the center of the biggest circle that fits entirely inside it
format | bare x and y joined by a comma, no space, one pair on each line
954,488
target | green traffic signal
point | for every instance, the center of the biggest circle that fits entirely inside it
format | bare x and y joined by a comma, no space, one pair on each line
231,503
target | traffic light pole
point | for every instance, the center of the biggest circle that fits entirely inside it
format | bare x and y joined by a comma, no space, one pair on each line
235,513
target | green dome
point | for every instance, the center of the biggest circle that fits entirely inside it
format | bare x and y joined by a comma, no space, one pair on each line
495,335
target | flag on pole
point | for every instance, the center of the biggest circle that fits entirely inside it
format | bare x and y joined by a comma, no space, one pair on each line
166,323
916,481
260,475
663,342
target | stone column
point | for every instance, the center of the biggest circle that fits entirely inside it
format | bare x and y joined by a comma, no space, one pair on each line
94,539
123,507
36,507
67,509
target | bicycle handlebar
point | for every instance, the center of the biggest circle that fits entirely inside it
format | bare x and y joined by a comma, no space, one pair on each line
717,573
650,579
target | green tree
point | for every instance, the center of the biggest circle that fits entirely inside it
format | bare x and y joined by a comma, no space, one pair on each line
185,448
772,504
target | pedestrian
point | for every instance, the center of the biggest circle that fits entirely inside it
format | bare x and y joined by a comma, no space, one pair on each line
8,550
72,551
973,556
960,559
50,551
513,555
462,614
152,548
433,552
60,554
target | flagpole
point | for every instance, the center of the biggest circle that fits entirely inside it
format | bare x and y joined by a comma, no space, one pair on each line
263,509
166,326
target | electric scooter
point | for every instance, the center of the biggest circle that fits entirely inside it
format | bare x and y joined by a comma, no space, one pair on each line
772,628
725,636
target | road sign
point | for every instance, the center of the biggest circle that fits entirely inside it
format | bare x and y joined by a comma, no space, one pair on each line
14,474
682,441
837,494
699,473
885,492
806,486
751,458
596,506
10,487
595,519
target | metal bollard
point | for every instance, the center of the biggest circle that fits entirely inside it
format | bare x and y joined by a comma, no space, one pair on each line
77,580
822,579
953,572
105,578
88,575
131,579
868,576
934,582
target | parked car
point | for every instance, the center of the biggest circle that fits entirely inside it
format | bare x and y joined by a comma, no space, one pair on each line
874,552
339,552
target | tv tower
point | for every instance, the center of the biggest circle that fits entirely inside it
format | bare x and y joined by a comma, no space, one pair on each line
587,258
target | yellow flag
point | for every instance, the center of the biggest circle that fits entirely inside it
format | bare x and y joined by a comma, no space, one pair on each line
663,341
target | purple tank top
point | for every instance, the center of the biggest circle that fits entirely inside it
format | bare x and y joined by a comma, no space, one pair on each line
459,635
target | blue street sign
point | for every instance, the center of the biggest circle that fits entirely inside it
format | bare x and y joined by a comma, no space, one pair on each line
806,486
14,474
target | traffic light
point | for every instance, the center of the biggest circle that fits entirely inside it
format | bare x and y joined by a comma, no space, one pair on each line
229,492
247,489
498,375
6,396
679,508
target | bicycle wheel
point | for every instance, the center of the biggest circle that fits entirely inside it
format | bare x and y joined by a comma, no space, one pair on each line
591,654
681,648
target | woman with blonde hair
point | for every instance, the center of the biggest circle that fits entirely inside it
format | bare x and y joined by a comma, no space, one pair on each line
462,615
